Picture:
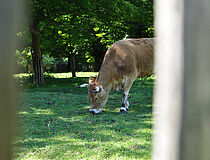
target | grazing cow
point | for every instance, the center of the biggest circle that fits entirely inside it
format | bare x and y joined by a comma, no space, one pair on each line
125,61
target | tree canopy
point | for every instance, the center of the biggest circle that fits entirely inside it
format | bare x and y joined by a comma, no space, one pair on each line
82,30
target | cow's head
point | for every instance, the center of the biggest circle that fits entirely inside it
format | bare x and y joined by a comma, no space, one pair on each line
96,94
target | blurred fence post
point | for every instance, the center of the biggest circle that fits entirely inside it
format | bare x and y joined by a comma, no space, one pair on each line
8,19
182,90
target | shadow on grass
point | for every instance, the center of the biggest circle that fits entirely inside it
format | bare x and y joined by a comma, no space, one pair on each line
61,110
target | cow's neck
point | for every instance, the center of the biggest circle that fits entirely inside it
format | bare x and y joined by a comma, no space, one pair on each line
104,80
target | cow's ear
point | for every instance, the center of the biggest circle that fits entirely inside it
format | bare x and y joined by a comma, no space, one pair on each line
91,80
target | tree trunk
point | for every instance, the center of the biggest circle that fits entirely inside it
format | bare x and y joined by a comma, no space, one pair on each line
69,63
71,60
73,70
36,54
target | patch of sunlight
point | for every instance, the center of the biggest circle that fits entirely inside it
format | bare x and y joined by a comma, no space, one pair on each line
78,74
60,75
70,119
22,75
63,119
107,132
87,74
149,105
145,131
30,156
86,107
153,76
66,139
63,138
23,112
42,111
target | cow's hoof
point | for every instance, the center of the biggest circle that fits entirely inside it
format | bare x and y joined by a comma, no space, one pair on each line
95,111
123,110
92,112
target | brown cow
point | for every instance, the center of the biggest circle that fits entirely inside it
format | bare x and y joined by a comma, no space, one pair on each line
125,61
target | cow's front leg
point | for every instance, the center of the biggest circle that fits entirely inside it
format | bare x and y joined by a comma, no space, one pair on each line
125,103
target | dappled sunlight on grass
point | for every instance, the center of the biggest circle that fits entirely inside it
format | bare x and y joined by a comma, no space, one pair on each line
22,75
42,111
55,123
59,75
87,107
23,112
78,74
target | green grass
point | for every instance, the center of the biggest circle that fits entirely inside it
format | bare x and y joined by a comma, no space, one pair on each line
54,121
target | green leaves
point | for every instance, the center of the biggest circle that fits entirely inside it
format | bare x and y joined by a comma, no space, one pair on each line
67,26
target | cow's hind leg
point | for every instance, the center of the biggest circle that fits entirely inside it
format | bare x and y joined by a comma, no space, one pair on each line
125,103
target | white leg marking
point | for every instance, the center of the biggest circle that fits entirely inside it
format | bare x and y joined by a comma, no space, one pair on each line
127,104
125,100
126,88
123,109
96,111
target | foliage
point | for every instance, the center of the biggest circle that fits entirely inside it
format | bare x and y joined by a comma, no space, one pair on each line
49,63
75,26
54,122
142,25
23,58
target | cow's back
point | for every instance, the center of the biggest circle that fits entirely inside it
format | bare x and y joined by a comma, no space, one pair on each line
125,59
143,51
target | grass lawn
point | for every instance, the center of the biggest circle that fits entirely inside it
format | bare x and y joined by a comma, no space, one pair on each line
54,121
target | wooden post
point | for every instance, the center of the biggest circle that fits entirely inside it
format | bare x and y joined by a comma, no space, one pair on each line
195,129
8,16
182,91
36,53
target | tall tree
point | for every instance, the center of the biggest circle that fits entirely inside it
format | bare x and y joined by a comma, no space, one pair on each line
36,53
39,11
63,28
